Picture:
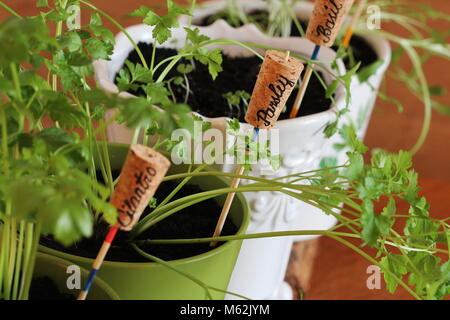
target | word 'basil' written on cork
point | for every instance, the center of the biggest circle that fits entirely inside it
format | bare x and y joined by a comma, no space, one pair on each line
327,18
141,175
277,78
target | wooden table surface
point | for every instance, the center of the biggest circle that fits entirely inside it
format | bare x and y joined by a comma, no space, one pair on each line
338,272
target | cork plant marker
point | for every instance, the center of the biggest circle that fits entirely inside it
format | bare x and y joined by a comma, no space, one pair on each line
323,28
141,175
277,78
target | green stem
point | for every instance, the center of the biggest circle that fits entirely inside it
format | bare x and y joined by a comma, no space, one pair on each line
107,161
193,3
104,124
152,63
5,150
6,248
415,60
11,11
31,262
29,232
298,187
59,25
248,236
174,59
426,99
179,186
154,219
297,23
18,266
16,82
3,255
146,222
100,163
12,255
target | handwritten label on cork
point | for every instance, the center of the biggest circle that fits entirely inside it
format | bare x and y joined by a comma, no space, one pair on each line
278,90
276,80
327,18
327,28
129,206
142,172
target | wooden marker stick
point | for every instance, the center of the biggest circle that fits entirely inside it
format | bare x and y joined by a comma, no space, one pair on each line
227,205
141,175
276,80
351,28
304,85
327,18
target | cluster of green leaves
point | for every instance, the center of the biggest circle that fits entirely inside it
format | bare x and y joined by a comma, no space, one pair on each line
46,187
49,181
211,58
411,248
162,25
235,99
46,163
387,180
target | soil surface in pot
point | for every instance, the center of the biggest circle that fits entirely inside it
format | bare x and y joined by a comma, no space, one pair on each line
361,49
207,98
196,221
45,288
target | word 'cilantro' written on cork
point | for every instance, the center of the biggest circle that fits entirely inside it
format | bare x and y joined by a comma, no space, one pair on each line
141,174
130,205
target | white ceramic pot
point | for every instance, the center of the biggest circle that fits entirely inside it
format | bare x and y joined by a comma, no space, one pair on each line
363,94
361,103
262,263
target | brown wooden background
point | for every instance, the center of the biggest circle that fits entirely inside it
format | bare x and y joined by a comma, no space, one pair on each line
338,272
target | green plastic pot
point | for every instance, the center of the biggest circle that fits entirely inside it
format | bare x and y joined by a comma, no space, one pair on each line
151,281
56,269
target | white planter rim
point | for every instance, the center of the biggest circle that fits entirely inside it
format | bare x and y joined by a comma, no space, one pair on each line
303,10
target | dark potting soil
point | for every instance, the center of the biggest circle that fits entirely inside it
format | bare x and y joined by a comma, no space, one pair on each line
44,288
196,221
239,74
361,49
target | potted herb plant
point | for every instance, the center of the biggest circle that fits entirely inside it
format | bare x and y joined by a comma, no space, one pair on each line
370,47
189,80
42,190
150,280
67,178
